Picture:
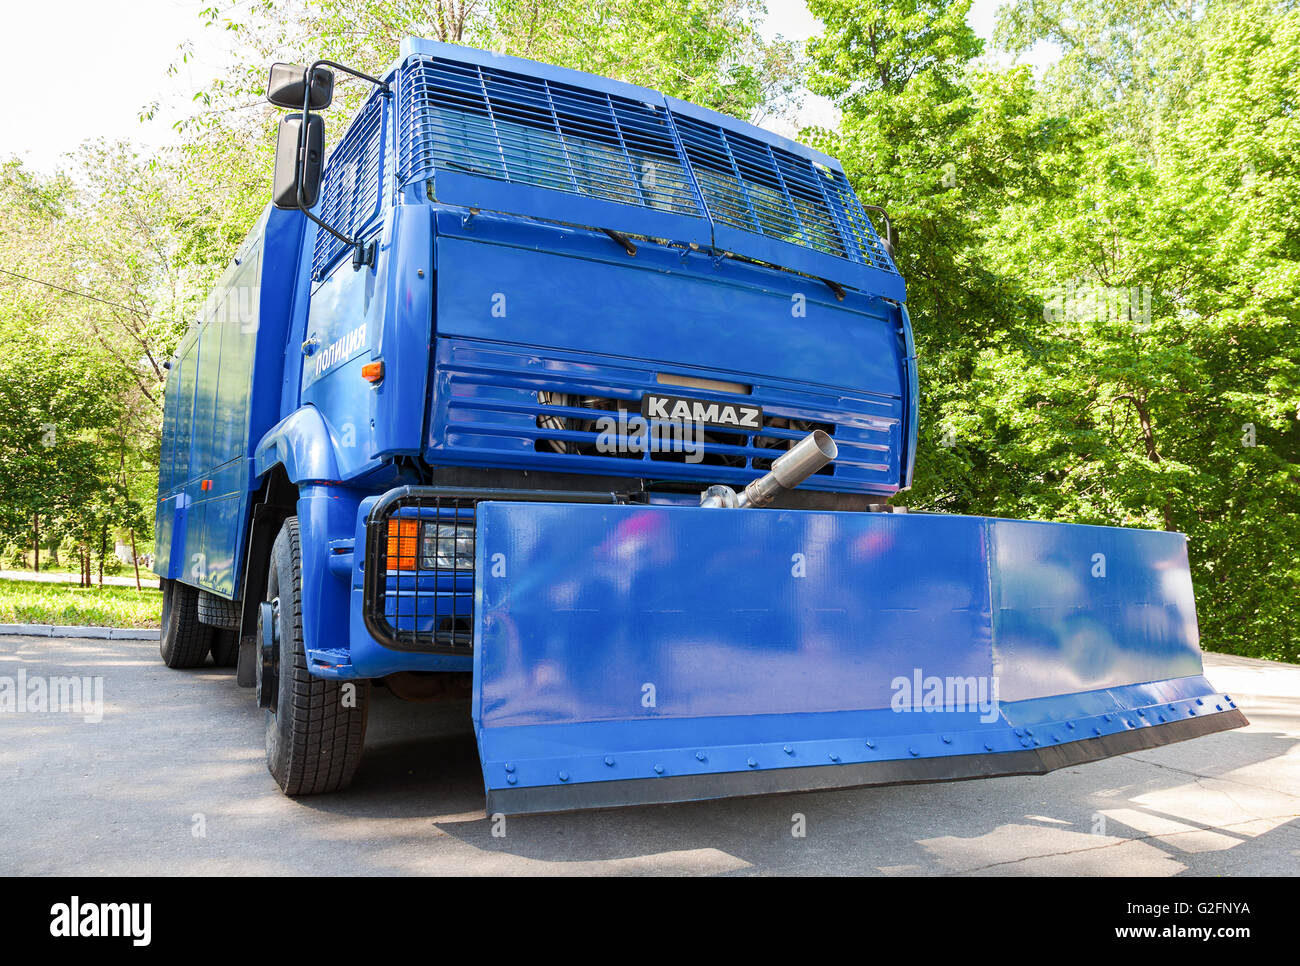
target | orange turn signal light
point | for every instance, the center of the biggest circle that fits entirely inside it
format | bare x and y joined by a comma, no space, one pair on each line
373,371
403,537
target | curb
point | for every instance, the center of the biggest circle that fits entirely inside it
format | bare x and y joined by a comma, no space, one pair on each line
74,630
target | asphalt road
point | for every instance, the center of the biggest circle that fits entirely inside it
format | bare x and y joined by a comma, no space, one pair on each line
172,780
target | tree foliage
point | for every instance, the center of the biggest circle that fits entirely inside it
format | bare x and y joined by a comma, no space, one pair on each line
1103,263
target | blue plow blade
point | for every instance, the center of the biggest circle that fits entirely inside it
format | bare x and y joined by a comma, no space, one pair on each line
631,655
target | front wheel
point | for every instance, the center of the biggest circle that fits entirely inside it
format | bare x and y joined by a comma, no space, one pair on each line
315,728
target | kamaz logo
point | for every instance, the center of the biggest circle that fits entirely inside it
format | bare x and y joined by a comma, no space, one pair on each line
680,409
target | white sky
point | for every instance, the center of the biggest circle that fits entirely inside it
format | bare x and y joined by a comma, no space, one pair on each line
88,68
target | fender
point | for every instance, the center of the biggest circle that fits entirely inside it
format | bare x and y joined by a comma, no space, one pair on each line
303,444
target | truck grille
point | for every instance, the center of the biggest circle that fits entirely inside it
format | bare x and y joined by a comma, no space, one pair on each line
501,406
559,431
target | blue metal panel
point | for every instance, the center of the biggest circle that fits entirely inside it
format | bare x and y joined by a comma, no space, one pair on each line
324,513
622,643
302,444
1078,607
347,312
397,405
584,321
223,392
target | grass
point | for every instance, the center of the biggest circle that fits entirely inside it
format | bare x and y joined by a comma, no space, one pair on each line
28,602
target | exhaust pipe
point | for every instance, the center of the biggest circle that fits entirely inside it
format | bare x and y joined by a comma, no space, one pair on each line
794,466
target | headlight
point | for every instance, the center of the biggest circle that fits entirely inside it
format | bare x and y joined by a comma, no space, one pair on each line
447,546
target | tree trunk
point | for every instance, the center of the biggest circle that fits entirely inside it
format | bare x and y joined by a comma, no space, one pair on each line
1149,442
36,542
135,559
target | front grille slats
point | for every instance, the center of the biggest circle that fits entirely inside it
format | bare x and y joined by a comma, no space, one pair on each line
531,409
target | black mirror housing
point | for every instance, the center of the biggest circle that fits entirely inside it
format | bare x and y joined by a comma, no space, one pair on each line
284,191
285,87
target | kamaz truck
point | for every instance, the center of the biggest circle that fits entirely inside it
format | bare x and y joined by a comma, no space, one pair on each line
587,404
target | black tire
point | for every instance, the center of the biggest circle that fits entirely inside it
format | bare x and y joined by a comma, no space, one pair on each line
313,738
218,611
185,641
225,647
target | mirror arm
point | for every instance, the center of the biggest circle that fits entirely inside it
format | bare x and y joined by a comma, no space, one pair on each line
889,228
362,254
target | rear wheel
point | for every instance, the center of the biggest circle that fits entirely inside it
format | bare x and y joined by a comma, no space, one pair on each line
315,728
225,647
185,641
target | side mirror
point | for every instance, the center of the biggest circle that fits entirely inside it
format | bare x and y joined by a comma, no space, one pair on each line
293,170
285,88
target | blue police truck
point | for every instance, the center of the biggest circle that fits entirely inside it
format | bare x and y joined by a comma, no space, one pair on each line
585,403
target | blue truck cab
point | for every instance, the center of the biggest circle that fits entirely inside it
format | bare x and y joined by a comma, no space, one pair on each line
510,278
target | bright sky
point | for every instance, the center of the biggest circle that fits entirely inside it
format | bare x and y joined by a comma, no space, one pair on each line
89,67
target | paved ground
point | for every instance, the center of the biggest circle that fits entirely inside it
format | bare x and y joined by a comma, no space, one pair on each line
147,578
179,753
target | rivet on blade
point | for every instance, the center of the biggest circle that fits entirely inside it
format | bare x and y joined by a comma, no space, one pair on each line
947,740
752,763
833,757
511,779
509,766
1070,725
699,756
871,744
790,751
914,752
1096,731
659,769
1200,701
987,746
564,776
609,761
